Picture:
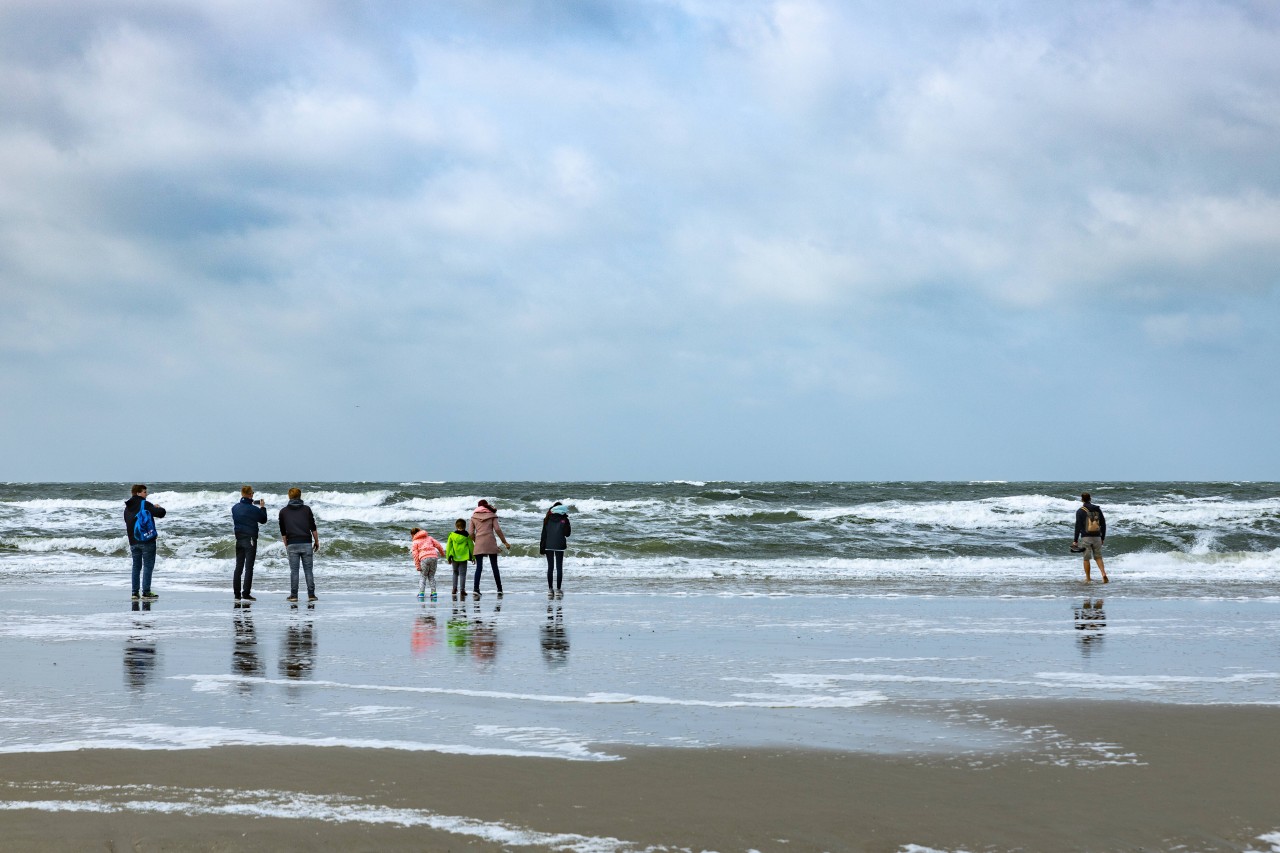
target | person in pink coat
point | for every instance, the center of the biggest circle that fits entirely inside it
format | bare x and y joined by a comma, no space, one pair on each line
486,531
426,554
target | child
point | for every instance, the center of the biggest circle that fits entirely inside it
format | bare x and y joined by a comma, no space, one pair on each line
426,551
458,552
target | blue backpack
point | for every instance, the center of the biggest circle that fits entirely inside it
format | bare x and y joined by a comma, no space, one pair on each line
144,526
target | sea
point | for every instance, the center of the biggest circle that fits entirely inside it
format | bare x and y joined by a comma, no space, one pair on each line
875,617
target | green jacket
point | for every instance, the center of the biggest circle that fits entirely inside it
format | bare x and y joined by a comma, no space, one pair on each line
457,548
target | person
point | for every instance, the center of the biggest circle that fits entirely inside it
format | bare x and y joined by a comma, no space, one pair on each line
1090,535
484,525
554,541
245,518
426,552
142,539
458,552
301,541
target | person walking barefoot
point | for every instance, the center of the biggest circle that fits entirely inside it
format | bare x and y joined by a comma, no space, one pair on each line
1091,534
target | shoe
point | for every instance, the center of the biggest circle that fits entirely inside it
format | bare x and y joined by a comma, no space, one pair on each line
292,598
135,597
433,596
476,593
312,598
248,597
422,596
499,593
237,599
150,596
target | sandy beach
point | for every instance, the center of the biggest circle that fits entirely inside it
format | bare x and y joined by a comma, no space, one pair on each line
1145,777
927,696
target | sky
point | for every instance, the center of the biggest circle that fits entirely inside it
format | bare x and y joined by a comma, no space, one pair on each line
579,240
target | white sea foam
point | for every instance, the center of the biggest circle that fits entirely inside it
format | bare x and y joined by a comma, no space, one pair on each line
1092,681
543,737
1272,839
851,700
291,805
154,736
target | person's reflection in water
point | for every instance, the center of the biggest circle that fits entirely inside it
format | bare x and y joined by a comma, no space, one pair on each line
458,630
140,650
555,639
425,633
1090,622
298,654
484,636
244,654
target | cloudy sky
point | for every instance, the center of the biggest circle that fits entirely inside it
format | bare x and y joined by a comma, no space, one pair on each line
568,239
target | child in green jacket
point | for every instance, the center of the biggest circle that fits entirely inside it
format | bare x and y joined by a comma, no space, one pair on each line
457,550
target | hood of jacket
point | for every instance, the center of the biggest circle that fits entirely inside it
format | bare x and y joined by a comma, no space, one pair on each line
134,501
482,511
560,510
421,535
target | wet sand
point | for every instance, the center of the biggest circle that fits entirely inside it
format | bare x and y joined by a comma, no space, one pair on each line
1207,777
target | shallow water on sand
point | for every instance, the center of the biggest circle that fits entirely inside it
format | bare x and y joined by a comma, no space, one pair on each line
583,677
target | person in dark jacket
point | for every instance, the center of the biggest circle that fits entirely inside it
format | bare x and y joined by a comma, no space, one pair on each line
301,541
554,541
1091,534
245,518
142,551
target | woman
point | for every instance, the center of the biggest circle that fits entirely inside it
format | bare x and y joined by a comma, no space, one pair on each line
483,527
555,539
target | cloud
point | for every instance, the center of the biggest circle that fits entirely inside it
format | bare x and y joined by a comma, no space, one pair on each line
758,189
1178,330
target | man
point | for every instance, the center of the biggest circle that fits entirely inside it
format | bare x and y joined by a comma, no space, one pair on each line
245,518
142,539
1091,533
301,541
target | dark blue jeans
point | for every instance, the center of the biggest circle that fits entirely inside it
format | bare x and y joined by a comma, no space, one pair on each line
493,564
144,561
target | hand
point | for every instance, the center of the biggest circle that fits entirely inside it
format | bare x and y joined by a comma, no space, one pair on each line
262,503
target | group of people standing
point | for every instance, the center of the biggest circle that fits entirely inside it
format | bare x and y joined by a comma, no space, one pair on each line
470,540
477,539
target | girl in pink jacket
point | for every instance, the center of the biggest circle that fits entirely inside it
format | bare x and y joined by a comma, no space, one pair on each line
426,552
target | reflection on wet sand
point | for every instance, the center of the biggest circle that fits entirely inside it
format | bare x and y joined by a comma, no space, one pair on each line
555,639
140,650
244,653
484,635
458,629
425,633
298,651
1090,620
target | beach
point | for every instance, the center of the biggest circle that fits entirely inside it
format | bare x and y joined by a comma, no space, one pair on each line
1202,779
908,698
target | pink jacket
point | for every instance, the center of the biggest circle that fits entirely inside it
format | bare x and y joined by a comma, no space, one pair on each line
425,548
485,529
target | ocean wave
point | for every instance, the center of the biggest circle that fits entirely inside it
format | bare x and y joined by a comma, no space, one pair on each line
754,700
294,805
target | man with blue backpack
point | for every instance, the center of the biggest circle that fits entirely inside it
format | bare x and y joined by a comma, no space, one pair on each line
140,525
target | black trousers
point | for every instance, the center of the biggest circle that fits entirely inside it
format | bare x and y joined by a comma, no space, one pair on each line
493,564
246,553
555,561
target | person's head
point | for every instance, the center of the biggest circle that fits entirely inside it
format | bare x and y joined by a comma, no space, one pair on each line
553,506
1086,497
484,504
139,491
295,494
414,531
246,491
460,525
